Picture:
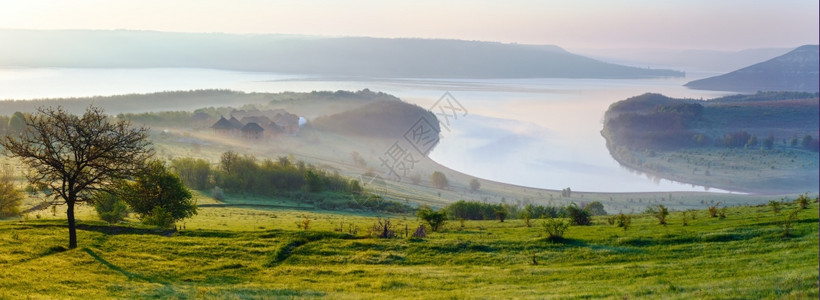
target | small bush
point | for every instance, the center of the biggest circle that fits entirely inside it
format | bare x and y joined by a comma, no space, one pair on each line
304,224
659,211
713,210
110,208
383,229
158,217
474,185
501,213
525,215
787,224
577,215
555,228
722,213
420,232
596,208
803,201
623,221
434,218
775,206
10,199
439,180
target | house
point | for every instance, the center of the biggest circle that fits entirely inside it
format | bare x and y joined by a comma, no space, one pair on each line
259,120
225,127
288,122
252,131
266,123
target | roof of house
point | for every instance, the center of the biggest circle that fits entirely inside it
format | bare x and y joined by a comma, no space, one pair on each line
223,124
236,124
252,127
255,119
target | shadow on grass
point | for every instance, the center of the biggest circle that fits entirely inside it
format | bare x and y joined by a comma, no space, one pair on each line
299,239
118,229
576,243
131,276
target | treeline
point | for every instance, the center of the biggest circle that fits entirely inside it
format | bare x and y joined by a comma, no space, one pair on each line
245,174
745,140
472,210
136,103
761,96
164,118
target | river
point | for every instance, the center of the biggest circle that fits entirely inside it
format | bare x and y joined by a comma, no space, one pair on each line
539,132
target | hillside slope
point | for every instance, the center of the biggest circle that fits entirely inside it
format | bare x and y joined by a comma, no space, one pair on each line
349,56
793,71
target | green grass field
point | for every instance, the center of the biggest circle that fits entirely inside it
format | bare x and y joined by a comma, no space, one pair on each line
252,253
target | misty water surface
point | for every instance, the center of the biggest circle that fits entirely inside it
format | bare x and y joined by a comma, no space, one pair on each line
533,132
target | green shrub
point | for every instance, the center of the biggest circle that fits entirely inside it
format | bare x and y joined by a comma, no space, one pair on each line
775,206
577,215
501,213
304,224
713,210
555,228
153,188
661,214
596,208
10,198
623,221
159,217
525,215
787,224
439,180
110,208
434,218
803,201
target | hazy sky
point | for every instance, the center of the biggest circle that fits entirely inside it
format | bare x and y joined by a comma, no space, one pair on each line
701,24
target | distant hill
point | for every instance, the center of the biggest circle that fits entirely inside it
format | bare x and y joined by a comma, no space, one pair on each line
796,70
346,56
686,59
761,143
380,119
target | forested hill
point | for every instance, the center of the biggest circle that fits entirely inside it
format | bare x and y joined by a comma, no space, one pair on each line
794,71
762,143
383,119
348,56
657,122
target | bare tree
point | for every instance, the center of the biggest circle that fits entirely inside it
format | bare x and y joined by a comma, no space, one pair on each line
78,155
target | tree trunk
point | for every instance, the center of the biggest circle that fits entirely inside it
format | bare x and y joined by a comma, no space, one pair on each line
72,226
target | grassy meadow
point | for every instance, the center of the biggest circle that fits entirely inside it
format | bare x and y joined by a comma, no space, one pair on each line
259,253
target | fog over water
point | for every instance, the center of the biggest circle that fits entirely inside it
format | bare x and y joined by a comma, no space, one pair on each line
533,132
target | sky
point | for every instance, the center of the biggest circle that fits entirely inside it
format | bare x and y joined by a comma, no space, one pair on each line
602,24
